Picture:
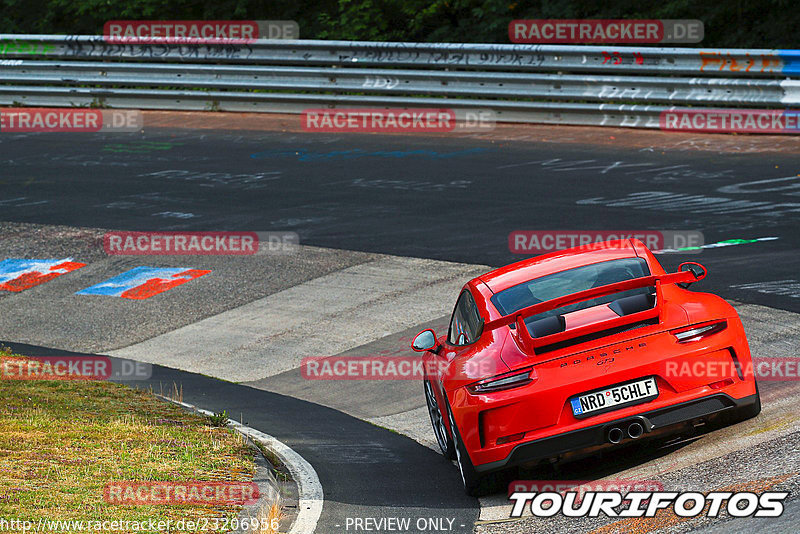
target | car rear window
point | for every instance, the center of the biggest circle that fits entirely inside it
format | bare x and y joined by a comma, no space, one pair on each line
571,281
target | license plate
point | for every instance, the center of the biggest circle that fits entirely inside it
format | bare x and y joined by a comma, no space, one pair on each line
615,397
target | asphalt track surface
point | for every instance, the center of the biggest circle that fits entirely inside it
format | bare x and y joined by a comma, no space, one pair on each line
359,196
442,198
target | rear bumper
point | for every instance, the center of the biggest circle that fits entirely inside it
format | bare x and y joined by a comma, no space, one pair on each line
596,437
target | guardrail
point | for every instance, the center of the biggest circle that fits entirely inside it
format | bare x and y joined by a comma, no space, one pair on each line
598,85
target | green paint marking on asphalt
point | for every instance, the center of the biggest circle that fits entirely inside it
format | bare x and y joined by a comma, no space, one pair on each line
718,244
726,243
140,147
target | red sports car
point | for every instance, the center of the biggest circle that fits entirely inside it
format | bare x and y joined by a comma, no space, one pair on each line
581,350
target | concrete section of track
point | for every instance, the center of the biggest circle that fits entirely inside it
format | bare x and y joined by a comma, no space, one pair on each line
321,317
395,404
366,399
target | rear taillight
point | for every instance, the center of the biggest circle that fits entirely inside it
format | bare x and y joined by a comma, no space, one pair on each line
696,332
502,382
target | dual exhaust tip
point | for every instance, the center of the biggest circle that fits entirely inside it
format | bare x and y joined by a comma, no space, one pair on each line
634,431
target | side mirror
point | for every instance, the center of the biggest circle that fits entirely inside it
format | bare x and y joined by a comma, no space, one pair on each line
424,341
698,270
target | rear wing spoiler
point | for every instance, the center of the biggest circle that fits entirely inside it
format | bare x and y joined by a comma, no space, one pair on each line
530,343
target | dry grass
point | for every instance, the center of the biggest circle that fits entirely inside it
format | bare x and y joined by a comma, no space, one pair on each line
61,442
272,518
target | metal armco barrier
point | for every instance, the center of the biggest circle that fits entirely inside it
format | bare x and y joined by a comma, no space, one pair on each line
593,85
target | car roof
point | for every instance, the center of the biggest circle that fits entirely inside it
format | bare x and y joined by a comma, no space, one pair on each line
562,260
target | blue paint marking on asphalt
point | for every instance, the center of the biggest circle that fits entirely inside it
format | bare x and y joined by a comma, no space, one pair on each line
12,269
18,274
136,277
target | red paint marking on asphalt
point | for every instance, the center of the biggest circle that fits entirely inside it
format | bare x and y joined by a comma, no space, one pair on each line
154,286
29,280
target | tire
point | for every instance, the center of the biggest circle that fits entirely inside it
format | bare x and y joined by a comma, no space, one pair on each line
469,476
437,422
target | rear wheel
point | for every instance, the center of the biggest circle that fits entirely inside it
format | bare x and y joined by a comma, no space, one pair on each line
469,476
437,421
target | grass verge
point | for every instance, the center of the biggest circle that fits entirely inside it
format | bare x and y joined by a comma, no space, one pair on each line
61,442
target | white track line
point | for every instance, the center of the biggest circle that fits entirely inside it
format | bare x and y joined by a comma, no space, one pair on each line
309,487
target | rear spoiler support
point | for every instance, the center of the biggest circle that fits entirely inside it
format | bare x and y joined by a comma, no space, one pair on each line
529,343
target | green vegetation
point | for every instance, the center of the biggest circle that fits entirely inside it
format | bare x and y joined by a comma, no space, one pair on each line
728,23
63,441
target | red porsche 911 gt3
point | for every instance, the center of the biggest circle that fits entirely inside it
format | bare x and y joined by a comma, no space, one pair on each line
578,351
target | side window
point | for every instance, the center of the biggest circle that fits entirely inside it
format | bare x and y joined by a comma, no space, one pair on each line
465,326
